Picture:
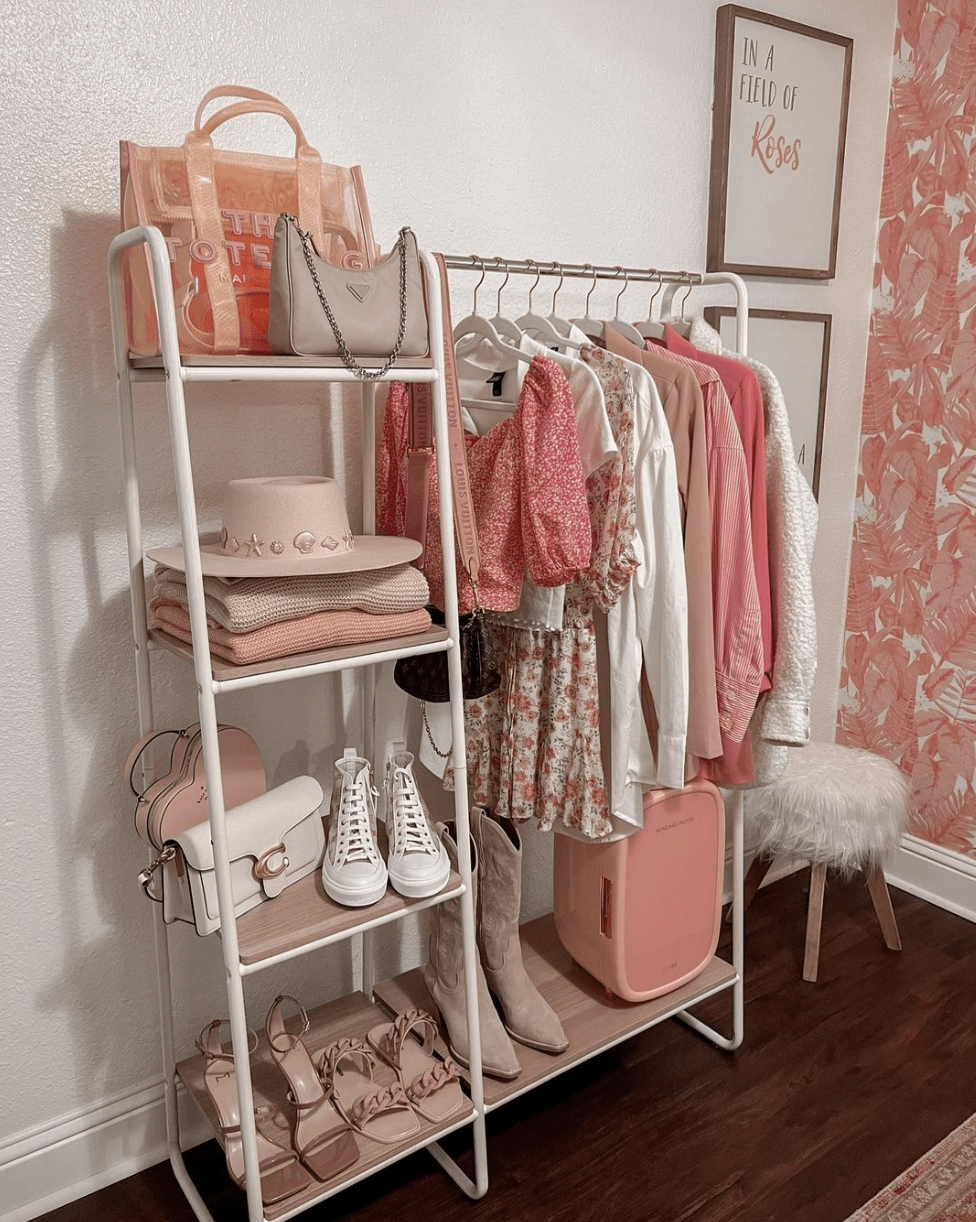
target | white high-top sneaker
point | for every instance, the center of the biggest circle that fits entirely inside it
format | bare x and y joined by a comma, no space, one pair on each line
417,860
353,872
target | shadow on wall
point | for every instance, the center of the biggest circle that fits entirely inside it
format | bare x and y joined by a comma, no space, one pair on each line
70,457
70,453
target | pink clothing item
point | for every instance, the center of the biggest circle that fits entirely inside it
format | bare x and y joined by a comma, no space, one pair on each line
527,486
735,599
322,630
533,746
784,713
736,765
746,401
610,489
241,604
684,411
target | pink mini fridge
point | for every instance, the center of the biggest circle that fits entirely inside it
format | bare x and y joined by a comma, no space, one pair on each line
642,914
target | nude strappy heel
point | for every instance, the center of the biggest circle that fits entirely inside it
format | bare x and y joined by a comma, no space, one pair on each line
282,1175
324,1141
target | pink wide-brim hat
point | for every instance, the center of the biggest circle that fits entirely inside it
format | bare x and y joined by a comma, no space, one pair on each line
289,526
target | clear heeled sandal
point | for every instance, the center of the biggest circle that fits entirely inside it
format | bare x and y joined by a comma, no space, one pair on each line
324,1141
282,1175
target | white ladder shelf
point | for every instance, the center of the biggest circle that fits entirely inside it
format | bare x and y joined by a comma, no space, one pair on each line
301,920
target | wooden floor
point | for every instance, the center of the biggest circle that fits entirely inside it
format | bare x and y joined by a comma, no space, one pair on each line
839,1086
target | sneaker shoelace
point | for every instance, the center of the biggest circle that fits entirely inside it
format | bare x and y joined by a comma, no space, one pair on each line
411,827
354,830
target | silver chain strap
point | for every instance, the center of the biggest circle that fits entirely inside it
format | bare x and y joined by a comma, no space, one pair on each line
347,357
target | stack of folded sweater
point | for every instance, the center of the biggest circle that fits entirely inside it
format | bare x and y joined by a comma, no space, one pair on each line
254,619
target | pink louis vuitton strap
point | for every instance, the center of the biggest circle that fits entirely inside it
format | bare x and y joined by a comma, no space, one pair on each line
420,451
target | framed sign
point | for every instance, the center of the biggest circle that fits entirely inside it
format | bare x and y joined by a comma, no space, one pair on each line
779,126
796,347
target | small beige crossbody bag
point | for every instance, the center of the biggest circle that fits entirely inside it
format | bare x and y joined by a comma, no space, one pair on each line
317,309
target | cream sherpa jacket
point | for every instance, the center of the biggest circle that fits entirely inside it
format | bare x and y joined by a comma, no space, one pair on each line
782,718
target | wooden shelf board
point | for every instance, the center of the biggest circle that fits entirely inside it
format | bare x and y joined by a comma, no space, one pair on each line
223,670
350,1016
303,913
591,1017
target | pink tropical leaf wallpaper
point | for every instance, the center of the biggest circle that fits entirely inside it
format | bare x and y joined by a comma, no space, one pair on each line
908,682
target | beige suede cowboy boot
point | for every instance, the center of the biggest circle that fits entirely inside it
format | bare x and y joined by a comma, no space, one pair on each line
528,1016
445,980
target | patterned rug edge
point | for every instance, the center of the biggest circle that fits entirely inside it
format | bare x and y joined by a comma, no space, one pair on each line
938,1187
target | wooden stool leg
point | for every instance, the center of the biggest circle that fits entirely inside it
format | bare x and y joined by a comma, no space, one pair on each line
758,869
878,888
811,954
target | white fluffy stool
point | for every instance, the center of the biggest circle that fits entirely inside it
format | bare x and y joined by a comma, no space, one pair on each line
833,806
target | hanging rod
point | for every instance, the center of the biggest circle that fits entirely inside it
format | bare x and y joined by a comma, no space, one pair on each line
605,271
550,267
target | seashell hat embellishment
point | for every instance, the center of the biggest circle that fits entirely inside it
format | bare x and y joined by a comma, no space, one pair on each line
288,526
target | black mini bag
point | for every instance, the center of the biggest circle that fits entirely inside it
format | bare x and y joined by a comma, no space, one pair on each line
424,676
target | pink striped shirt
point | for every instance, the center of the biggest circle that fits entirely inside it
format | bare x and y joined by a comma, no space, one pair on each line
320,630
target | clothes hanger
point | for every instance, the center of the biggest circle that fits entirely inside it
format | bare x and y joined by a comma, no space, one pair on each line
476,324
592,327
624,328
535,325
650,328
562,325
681,324
474,320
504,326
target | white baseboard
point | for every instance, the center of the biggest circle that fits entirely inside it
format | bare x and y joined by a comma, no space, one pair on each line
63,1162
941,876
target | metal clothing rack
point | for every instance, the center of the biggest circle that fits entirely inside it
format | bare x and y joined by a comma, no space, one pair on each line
244,953
673,280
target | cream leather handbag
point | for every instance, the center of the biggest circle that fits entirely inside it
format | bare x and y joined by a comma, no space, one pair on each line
273,840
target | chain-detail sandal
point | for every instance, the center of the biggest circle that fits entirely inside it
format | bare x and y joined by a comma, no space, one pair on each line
382,1113
431,1085
324,1141
282,1175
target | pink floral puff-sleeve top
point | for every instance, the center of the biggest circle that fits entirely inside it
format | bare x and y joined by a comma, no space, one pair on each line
528,490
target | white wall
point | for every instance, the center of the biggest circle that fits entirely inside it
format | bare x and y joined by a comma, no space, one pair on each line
541,129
